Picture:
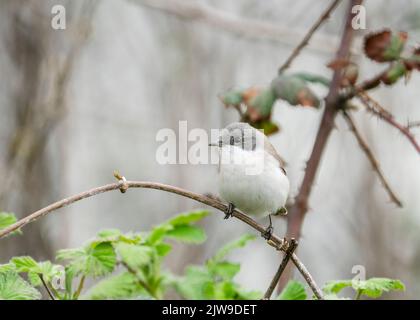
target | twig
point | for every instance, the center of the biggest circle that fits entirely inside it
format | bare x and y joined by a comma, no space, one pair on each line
288,254
375,108
369,154
308,36
46,287
274,241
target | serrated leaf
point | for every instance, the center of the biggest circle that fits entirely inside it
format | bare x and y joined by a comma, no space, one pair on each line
13,287
6,220
226,249
187,233
109,233
96,259
225,270
122,286
159,232
7,267
135,256
24,264
188,217
336,286
294,290
375,287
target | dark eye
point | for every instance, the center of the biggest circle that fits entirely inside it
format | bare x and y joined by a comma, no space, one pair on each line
232,140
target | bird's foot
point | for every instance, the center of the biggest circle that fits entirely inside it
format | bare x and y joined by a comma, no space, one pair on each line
267,233
281,212
229,211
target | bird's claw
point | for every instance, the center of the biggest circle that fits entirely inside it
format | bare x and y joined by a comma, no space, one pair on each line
229,211
267,233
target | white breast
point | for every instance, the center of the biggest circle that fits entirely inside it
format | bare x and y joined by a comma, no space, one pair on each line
252,180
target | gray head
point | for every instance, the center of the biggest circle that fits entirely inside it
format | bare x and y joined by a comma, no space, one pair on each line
239,134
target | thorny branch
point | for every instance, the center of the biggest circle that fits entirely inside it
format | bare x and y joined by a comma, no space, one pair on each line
324,16
369,154
375,108
123,185
333,102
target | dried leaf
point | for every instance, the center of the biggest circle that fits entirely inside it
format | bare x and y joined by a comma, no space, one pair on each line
384,46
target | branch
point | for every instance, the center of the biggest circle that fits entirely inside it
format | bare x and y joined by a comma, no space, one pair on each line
333,102
244,27
375,108
124,185
309,35
288,254
375,164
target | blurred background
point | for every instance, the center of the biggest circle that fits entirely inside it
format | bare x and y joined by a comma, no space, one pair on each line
78,103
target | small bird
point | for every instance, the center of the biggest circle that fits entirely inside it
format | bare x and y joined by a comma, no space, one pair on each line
251,173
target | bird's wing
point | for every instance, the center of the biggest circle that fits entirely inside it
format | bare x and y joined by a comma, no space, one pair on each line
270,149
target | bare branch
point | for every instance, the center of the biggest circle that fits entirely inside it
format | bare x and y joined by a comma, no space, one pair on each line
369,154
287,255
309,35
124,185
375,108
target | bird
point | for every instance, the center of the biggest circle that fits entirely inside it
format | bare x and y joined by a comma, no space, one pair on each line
251,176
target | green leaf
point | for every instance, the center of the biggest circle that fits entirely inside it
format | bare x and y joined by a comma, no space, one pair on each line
375,287
197,284
336,286
187,233
159,232
226,249
226,270
294,290
6,220
135,256
24,264
96,259
264,102
313,78
13,287
163,249
188,217
107,233
7,267
294,90
232,97
122,286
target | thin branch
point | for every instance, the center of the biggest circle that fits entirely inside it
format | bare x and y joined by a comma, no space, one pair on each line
309,35
375,108
124,185
288,254
46,287
369,154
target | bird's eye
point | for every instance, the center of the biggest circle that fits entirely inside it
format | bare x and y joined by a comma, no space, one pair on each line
232,140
